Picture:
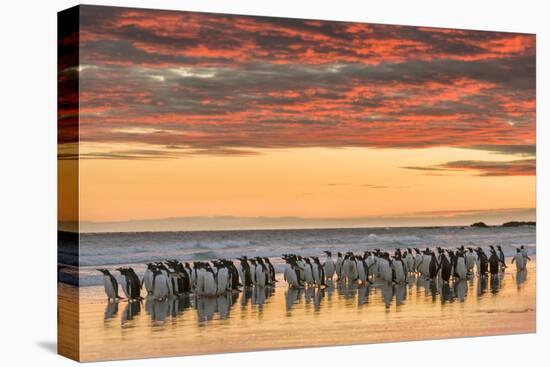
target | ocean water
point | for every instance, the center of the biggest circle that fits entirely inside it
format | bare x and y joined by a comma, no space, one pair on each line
111,250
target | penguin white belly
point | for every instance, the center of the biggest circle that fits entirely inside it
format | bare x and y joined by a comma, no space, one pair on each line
199,289
241,274
361,272
399,271
470,261
253,273
338,267
109,289
125,287
148,281
461,268
417,262
223,281
352,272
260,276
290,276
209,284
160,287
520,261
409,261
308,274
385,270
316,274
329,268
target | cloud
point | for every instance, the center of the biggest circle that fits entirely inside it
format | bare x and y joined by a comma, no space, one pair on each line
521,167
222,84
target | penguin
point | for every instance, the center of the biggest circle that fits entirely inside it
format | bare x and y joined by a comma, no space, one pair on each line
445,267
271,270
501,257
261,273
417,260
409,261
329,266
234,274
253,266
493,262
461,266
147,281
483,262
385,268
470,258
338,266
166,274
180,276
160,284
111,285
433,266
246,276
131,285
308,272
210,282
520,260
290,274
398,266
361,273
223,284
191,275
319,272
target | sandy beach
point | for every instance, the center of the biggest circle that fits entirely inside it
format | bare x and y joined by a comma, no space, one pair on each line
275,318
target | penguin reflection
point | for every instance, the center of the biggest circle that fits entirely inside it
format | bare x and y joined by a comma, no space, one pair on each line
495,283
246,296
481,286
131,310
111,310
260,295
292,297
318,298
363,295
446,294
208,306
387,294
346,290
400,293
160,309
461,289
521,276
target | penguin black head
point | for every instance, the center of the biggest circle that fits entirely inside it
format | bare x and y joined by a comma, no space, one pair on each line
328,253
106,272
339,254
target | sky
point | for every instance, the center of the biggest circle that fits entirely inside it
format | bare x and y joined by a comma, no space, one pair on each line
206,115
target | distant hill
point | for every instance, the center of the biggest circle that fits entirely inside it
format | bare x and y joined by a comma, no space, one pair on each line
519,224
513,223
479,225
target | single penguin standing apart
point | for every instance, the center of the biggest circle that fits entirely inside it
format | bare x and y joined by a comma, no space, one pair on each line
110,284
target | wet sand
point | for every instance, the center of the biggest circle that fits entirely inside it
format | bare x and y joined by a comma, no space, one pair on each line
275,318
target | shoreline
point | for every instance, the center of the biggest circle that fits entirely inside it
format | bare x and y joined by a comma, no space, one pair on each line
283,319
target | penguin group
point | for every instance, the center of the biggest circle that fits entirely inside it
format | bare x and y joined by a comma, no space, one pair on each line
363,269
173,278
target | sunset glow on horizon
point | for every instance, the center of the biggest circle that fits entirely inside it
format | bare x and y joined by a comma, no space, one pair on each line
202,115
